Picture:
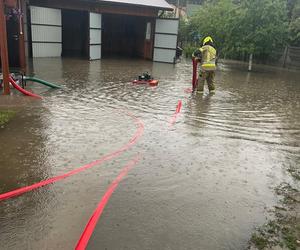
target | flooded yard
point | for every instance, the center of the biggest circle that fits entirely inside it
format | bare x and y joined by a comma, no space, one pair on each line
204,182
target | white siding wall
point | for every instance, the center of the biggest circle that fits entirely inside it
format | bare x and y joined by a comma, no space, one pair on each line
46,33
95,20
164,55
95,36
166,26
48,16
46,29
165,42
46,50
95,52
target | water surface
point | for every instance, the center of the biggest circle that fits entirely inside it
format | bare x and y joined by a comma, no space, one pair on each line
203,183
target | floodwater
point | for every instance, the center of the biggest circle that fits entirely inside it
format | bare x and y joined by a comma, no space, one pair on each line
204,183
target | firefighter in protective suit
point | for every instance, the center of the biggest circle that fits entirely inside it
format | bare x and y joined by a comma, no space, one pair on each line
206,55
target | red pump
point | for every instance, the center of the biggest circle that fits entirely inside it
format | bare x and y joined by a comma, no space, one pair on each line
150,82
145,78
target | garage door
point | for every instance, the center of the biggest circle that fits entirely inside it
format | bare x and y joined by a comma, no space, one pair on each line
95,36
165,42
46,31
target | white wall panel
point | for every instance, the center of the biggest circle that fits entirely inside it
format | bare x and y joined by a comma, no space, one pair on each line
41,15
46,33
165,41
95,20
169,26
95,36
164,55
95,52
46,50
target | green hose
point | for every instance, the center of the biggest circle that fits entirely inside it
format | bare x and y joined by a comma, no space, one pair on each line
33,79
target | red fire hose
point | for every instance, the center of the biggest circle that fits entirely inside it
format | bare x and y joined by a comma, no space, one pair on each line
25,92
194,81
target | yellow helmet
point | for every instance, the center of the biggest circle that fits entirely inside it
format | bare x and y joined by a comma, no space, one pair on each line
207,39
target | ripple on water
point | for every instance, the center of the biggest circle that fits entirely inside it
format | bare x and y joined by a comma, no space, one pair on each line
200,182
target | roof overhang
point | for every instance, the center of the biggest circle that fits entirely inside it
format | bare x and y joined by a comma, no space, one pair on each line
158,4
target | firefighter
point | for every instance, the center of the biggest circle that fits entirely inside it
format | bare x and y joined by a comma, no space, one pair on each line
206,55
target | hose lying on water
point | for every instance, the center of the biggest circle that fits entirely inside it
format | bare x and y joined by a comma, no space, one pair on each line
49,84
25,92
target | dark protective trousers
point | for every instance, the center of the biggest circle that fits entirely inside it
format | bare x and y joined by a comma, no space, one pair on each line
209,76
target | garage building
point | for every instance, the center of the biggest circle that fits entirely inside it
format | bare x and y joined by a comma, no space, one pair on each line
95,29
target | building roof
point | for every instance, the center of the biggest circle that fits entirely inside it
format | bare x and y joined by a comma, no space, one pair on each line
160,4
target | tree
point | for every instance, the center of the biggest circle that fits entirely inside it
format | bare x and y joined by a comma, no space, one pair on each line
294,26
243,27
214,20
262,26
